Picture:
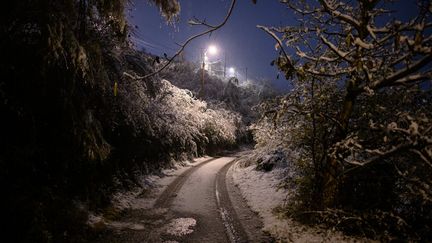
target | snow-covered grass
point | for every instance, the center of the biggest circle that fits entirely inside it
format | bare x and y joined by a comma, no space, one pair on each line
260,189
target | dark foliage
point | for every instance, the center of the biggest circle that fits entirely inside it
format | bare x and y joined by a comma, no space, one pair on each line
71,121
358,119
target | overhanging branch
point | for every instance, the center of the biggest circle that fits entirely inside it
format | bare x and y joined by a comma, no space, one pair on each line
183,46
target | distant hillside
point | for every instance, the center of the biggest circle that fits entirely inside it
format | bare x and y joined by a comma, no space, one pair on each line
235,95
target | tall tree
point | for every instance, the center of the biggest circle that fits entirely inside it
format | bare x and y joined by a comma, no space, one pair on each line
365,51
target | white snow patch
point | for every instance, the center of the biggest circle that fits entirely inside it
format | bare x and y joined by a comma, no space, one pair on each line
94,219
262,195
181,226
259,189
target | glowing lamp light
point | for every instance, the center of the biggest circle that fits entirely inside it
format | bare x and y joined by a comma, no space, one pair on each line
231,70
212,50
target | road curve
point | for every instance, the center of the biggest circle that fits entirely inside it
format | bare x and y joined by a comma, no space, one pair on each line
197,200
167,196
200,205
241,223
222,215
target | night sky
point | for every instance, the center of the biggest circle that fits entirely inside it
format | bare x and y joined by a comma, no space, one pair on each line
245,45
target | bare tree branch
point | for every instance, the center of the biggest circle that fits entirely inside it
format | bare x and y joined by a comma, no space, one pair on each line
278,40
340,53
183,46
344,17
403,73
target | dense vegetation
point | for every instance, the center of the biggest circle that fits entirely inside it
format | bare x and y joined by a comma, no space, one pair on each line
76,123
235,94
355,131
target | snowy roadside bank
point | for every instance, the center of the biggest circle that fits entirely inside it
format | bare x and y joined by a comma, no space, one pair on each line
262,195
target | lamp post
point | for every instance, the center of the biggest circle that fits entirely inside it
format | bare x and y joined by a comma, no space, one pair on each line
225,61
231,71
212,50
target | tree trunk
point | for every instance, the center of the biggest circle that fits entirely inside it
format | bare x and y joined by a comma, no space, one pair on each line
331,168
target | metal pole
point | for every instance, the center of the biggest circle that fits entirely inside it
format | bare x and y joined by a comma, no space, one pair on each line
225,64
202,74
202,80
246,75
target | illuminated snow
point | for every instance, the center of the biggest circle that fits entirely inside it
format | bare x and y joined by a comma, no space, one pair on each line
181,226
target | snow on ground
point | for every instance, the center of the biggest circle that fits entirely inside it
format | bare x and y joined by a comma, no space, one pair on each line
151,187
260,191
144,196
181,226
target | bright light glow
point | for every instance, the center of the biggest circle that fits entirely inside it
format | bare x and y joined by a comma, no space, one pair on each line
231,70
205,58
212,50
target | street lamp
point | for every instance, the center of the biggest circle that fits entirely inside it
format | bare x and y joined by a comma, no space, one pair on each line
231,71
211,50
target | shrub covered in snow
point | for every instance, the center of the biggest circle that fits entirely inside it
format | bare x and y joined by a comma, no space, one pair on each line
228,92
188,124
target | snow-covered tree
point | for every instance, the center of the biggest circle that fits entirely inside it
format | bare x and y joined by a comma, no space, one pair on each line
358,46
362,74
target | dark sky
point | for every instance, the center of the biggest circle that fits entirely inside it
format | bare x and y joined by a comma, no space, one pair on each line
245,45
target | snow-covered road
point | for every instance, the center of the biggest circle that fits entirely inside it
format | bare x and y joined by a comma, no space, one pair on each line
198,205
196,200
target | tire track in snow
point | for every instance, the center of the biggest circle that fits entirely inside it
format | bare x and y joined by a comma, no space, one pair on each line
168,195
233,227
